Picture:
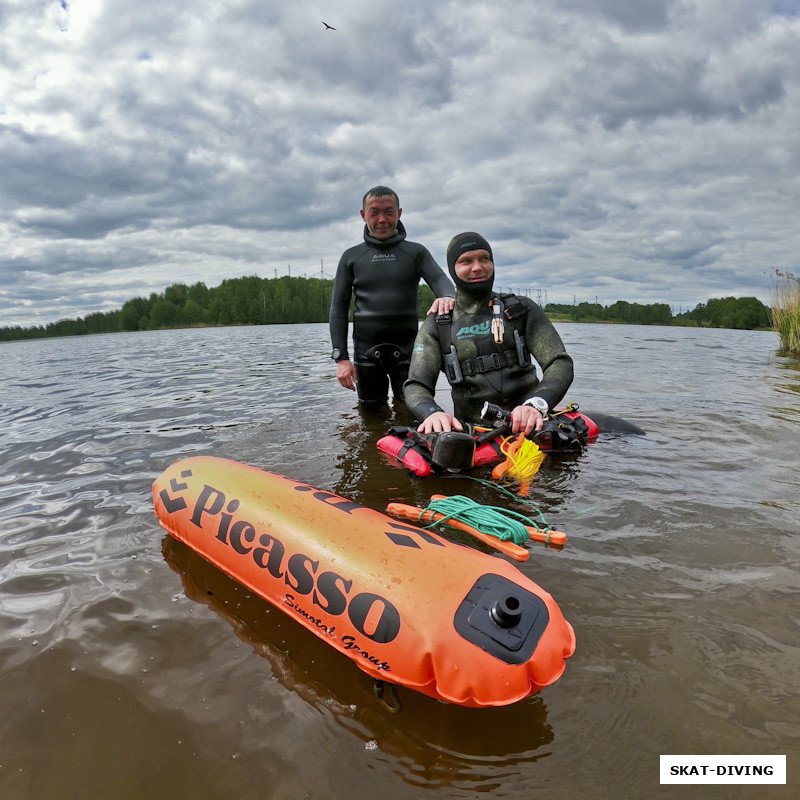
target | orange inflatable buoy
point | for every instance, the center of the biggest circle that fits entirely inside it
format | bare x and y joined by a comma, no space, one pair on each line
407,606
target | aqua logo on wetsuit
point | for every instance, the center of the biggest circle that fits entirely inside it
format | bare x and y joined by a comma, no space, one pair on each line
471,331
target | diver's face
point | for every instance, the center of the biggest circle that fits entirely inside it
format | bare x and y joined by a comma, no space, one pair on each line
474,266
381,215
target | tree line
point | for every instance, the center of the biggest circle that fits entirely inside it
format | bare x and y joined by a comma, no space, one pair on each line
621,311
268,301
743,313
237,301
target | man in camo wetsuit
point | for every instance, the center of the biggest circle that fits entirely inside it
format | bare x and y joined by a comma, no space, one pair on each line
483,368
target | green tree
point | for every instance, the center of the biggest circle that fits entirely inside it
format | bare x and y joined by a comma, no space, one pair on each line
200,293
164,314
177,294
193,314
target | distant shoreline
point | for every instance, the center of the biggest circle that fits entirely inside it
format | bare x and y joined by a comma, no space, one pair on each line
275,301
202,325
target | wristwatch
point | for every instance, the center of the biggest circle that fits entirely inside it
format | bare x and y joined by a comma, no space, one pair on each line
337,355
539,403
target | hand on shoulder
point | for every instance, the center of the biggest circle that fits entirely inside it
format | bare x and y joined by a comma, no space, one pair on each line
442,305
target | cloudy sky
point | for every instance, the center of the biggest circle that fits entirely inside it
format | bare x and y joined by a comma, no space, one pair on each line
640,150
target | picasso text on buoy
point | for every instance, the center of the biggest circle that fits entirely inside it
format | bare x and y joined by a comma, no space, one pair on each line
372,615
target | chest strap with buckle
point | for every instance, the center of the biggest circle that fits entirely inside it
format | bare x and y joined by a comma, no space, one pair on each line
490,362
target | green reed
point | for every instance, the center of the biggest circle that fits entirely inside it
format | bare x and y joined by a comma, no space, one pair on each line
786,310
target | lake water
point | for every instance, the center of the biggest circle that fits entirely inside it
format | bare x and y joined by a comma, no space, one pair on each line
129,668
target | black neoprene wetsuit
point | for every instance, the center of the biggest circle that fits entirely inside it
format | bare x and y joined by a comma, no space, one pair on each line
508,383
383,275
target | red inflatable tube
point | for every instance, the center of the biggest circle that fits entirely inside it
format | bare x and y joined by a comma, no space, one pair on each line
486,453
411,458
489,452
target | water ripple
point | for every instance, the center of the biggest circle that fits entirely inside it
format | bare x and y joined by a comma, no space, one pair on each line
679,575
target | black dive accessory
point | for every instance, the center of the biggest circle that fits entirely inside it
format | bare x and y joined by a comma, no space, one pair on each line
453,450
493,413
504,307
452,367
559,434
387,355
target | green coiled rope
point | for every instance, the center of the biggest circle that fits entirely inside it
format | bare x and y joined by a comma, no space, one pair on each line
499,522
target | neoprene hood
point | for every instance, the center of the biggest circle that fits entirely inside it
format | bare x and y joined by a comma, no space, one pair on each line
463,243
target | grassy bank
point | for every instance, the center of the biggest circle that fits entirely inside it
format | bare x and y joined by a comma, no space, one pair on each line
786,310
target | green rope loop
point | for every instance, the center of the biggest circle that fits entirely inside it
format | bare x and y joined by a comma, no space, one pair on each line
499,522
544,526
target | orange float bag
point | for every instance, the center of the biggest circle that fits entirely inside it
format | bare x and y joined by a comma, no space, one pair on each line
407,606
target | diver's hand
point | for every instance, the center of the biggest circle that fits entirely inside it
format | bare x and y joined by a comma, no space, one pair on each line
442,305
346,374
440,422
526,419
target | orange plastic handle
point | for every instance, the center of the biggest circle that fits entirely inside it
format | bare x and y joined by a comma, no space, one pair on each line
403,511
557,538
504,466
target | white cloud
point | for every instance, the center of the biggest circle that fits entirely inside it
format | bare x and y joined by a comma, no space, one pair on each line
618,149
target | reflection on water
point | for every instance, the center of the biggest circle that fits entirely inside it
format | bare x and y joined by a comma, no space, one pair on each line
307,666
131,668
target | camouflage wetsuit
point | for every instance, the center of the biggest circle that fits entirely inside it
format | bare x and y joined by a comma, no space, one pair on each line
384,276
506,384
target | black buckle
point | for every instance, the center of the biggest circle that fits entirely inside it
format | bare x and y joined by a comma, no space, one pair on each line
489,362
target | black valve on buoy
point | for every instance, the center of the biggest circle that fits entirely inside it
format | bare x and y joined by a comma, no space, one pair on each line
506,611
502,617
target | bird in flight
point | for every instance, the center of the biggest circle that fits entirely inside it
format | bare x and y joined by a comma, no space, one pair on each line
328,27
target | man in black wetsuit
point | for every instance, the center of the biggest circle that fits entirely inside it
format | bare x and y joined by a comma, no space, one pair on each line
383,273
486,350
